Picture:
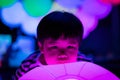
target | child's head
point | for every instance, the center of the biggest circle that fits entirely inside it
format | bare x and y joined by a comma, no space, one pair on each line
59,35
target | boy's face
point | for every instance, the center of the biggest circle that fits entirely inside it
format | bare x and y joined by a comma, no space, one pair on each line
60,51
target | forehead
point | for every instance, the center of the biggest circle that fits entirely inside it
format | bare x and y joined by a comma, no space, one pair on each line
61,40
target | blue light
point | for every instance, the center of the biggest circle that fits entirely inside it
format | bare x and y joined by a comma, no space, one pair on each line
21,49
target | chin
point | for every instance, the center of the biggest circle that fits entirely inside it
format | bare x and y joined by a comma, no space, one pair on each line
63,62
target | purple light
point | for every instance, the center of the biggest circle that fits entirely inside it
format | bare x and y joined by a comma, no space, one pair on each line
70,71
96,8
70,3
89,22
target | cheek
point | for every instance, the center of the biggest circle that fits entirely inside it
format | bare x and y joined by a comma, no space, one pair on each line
50,54
73,56
73,52
50,58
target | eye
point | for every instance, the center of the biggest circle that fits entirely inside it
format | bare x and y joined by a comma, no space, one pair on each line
70,47
54,47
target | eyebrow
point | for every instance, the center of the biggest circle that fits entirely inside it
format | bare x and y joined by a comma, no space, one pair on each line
52,41
73,41
55,41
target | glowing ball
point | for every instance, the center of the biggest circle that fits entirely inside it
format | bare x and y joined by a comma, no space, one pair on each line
89,22
96,8
37,7
58,7
22,48
5,3
29,25
5,42
70,71
14,15
70,3
114,2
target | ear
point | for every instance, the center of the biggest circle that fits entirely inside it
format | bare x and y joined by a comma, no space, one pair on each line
40,46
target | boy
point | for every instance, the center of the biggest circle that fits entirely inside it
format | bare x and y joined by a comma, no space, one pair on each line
59,36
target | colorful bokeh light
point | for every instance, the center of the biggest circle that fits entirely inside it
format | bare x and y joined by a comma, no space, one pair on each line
89,22
7,3
27,13
96,8
114,2
14,15
29,25
70,3
21,49
37,8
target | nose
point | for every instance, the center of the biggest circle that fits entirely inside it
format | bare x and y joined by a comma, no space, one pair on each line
62,54
62,51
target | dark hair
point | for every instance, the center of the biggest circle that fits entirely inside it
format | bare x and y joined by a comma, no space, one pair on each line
59,23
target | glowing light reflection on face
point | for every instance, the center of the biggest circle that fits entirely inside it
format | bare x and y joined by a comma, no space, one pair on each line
60,51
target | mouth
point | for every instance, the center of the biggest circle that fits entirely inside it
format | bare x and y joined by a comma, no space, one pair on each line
62,59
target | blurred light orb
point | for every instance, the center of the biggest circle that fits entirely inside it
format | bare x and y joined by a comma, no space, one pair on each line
70,3
5,3
96,8
89,22
114,2
22,48
14,15
58,7
5,42
29,25
37,8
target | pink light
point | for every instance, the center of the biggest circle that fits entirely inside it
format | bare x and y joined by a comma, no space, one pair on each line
114,2
70,71
96,8
89,22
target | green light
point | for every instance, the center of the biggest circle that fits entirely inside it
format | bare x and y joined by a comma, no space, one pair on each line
5,3
37,8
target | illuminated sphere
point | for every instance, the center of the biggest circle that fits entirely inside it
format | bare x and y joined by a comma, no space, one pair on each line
70,71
